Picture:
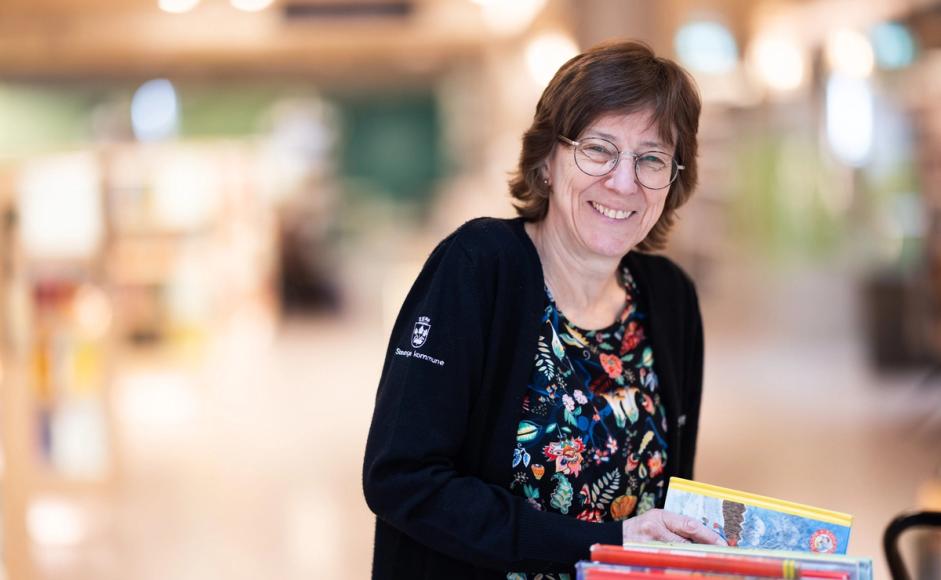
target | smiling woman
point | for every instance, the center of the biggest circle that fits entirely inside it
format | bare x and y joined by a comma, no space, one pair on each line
613,79
572,375
599,206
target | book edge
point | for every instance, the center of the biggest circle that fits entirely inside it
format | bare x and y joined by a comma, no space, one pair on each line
762,501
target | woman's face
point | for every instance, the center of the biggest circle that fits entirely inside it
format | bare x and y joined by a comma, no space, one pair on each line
608,215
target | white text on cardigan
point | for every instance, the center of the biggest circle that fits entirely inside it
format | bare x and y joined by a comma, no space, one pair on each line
419,356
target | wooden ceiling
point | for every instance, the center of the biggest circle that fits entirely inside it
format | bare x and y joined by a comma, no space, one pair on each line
54,39
89,38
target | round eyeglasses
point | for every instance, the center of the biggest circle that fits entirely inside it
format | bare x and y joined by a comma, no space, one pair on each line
598,157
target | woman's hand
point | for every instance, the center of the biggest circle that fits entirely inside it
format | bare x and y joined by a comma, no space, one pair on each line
661,526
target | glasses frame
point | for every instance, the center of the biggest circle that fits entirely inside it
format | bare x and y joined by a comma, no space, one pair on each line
635,156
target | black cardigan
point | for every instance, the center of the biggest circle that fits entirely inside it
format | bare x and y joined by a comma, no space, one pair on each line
438,458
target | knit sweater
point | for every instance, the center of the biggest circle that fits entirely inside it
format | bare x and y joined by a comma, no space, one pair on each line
443,431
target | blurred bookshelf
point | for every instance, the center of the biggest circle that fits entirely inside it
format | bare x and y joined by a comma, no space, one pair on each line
190,241
928,115
57,433
905,298
120,265
8,488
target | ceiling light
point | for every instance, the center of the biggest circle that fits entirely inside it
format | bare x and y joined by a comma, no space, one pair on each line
546,53
155,111
706,47
177,6
849,118
849,53
510,18
778,61
251,5
893,45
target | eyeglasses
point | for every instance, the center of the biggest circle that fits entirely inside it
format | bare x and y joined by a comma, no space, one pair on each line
597,157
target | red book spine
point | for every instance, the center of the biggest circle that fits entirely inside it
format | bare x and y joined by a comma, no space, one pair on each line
705,563
653,575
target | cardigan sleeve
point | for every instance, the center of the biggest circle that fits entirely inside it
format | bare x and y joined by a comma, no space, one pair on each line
411,477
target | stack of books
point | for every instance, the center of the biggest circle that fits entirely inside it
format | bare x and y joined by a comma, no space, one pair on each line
768,538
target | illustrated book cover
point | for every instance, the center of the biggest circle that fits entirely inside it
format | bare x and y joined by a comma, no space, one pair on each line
748,520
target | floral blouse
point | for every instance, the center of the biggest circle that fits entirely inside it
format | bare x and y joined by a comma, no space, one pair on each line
591,441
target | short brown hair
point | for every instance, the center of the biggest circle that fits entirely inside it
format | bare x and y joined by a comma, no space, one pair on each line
615,77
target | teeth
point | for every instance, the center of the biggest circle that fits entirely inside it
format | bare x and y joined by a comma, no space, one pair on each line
611,213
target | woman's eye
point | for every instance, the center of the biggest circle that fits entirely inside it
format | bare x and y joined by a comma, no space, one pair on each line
653,162
598,152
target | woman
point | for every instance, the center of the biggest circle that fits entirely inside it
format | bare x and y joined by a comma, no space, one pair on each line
543,378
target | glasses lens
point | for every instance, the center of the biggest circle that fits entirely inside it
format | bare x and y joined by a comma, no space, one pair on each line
655,170
596,156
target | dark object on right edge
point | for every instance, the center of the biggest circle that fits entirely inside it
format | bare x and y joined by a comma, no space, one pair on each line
894,530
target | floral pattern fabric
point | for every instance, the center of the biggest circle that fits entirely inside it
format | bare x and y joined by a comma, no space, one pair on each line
591,441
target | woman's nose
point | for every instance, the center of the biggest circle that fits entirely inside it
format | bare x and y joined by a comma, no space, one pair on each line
623,178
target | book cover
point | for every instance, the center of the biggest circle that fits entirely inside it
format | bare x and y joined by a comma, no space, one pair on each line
749,520
739,562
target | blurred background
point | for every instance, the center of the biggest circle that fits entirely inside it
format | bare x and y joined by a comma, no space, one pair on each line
211,210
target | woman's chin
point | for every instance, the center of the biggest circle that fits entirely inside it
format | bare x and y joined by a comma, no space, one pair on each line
606,237
610,248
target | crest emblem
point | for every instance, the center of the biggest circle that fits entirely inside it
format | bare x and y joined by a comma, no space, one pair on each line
823,542
420,332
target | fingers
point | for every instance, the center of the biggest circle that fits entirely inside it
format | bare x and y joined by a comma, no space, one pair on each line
668,536
661,526
650,527
691,530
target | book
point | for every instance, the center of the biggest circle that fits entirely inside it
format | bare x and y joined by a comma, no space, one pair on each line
742,562
666,558
749,520
599,571
806,564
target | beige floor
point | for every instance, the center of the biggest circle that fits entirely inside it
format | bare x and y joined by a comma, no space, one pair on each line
257,475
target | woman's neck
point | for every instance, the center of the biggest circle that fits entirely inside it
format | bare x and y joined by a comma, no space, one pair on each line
586,290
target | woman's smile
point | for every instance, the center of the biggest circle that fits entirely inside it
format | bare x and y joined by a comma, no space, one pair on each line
611,213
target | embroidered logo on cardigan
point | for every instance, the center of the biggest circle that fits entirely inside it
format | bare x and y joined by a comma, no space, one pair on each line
420,332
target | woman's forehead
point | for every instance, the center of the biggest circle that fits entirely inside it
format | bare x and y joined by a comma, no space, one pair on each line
639,127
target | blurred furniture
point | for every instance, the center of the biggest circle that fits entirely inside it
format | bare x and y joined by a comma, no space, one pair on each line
190,241
899,335
928,551
8,488
54,350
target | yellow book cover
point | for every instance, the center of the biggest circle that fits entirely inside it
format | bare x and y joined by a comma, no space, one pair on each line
756,521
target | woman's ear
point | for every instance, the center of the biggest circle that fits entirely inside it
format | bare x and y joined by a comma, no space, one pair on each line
544,173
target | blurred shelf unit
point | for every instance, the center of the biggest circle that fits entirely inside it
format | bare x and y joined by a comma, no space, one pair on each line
106,254
8,492
190,240
928,135
924,84
55,345
64,316
920,87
